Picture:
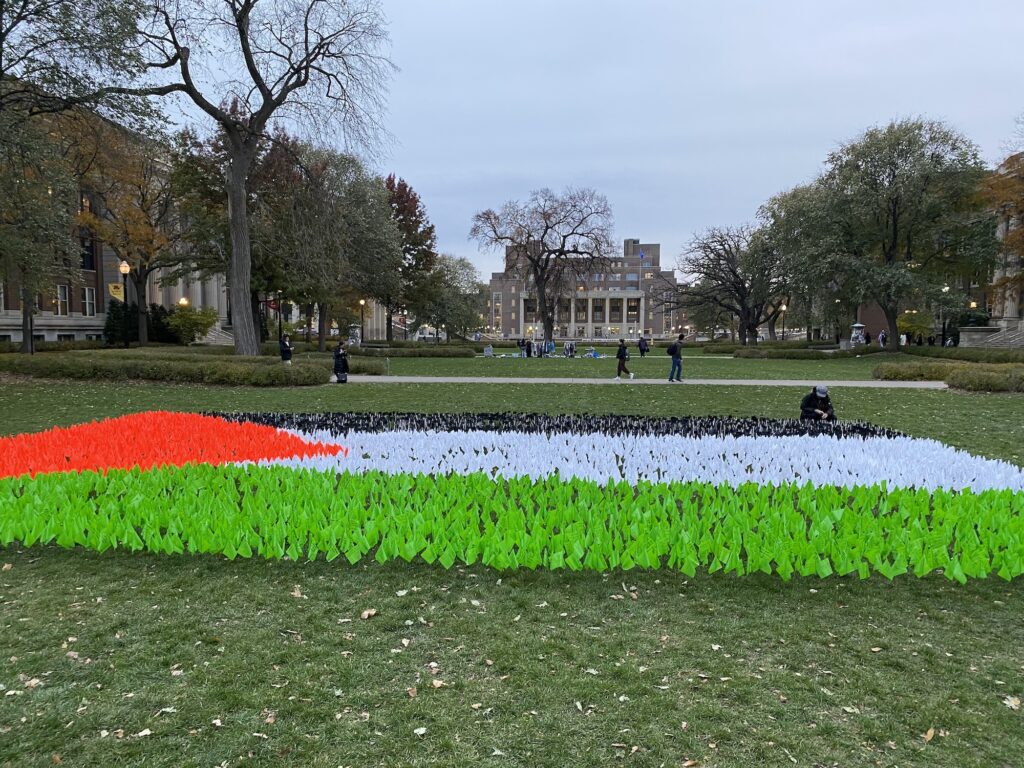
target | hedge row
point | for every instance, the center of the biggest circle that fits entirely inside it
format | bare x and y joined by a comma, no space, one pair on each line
972,380
225,372
440,351
51,346
968,354
972,377
274,512
770,353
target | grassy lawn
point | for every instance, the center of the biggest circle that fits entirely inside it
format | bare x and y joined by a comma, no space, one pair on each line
987,425
654,366
534,668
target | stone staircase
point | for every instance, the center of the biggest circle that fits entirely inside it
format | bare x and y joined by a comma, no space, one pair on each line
1009,338
218,336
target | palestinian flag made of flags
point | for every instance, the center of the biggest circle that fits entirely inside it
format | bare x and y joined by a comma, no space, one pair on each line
519,490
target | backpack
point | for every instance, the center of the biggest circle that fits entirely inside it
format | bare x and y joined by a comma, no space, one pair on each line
673,349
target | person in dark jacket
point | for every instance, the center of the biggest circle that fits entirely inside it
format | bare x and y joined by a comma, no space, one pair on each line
675,351
341,363
622,355
816,405
286,349
643,347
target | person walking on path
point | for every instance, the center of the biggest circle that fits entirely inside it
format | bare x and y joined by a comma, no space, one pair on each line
643,347
341,363
675,351
286,349
622,355
816,405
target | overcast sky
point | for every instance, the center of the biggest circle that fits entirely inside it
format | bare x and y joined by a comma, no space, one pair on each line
684,114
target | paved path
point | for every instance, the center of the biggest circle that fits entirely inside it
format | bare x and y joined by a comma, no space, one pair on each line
868,383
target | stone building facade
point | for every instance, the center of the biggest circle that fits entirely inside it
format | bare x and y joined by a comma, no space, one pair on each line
621,299
76,311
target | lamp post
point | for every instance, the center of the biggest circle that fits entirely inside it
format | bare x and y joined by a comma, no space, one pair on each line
942,315
783,308
362,321
124,268
183,302
279,327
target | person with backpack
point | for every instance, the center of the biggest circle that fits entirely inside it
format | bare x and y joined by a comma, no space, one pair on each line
341,363
675,351
622,355
285,347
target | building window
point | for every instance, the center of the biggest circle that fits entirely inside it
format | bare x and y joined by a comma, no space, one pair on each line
65,337
632,310
63,303
632,276
88,250
648,275
89,302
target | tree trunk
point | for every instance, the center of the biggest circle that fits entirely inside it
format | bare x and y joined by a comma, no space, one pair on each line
389,334
309,324
547,317
142,307
891,317
771,329
323,327
743,334
28,344
243,324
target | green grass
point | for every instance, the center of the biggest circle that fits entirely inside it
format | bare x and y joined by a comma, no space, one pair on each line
762,670
802,681
987,425
654,366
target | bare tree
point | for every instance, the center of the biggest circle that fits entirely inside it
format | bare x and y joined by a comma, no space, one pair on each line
317,63
554,239
731,268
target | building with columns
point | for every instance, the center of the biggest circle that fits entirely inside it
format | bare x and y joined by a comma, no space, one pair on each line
623,298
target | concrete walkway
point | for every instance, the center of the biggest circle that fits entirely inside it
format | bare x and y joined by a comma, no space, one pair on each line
867,384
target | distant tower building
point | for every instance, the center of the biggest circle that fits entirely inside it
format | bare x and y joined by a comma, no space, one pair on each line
622,299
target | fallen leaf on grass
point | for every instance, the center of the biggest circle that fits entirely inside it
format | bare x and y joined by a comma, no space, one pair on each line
297,592
421,731
1013,702
144,732
411,692
435,683
217,722
497,753
402,592
876,649
56,760
7,567
851,710
690,763
34,682
928,735
369,613
261,735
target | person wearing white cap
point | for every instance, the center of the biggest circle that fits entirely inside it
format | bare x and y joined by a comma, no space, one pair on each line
816,405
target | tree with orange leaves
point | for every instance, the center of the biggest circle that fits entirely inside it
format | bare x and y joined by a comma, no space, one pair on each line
1004,191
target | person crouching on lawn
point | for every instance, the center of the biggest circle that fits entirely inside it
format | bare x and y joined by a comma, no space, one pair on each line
816,405
622,355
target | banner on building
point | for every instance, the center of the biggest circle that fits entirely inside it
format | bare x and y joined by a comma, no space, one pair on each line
116,290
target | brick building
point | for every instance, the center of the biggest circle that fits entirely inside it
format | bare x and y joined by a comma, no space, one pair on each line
621,299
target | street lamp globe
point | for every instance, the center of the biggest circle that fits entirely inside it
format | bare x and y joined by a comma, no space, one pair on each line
124,267
362,302
783,308
183,301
